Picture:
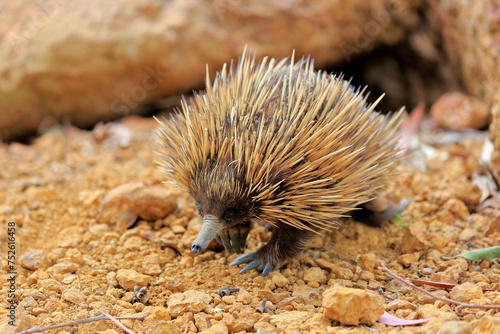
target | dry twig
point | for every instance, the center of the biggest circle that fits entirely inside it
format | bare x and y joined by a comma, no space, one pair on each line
117,323
460,305
77,322
59,283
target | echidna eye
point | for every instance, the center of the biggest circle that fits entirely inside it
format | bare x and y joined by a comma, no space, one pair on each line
229,215
200,209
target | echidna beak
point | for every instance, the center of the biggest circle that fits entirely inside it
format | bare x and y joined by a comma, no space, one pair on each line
209,230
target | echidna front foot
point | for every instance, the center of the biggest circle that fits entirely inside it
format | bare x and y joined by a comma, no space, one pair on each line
255,260
285,243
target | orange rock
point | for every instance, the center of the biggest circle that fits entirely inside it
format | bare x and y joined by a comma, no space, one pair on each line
352,306
466,292
458,111
124,204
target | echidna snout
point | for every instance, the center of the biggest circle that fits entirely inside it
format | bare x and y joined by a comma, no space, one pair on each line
209,230
233,238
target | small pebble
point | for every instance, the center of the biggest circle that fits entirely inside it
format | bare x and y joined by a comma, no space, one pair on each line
455,327
279,279
34,259
367,261
466,292
315,275
129,278
74,296
244,320
188,301
286,319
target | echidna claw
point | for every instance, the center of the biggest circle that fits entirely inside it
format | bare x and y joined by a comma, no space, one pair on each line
267,268
245,258
252,265
254,262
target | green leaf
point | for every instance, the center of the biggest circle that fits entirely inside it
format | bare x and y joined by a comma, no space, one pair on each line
399,219
489,253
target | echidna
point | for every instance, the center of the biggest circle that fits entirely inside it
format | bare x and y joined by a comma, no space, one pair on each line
280,143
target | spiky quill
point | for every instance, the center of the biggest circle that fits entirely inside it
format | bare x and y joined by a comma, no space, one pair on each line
280,143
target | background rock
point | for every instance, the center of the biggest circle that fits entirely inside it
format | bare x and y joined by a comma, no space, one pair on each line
83,62
125,203
88,61
471,37
458,111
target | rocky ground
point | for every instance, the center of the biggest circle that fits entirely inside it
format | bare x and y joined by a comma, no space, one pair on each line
75,257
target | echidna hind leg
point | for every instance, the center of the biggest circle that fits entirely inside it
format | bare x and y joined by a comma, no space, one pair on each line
394,209
379,210
285,243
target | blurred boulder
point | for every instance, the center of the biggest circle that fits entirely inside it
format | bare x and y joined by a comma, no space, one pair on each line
459,111
86,61
471,36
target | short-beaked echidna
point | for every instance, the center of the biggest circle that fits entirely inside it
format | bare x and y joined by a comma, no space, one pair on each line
280,143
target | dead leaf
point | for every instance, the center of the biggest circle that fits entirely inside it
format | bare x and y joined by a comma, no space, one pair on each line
390,320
